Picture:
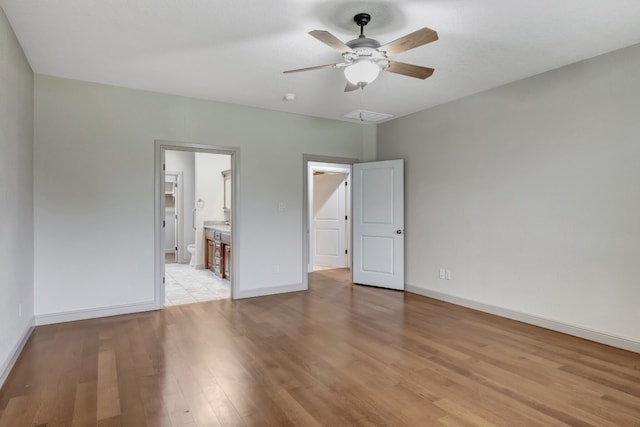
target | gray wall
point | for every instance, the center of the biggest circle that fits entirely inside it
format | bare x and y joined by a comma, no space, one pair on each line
530,195
16,194
94,189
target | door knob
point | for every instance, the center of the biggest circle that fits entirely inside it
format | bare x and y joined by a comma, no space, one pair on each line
398,231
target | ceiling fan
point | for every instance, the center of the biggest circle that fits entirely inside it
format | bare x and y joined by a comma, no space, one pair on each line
364,58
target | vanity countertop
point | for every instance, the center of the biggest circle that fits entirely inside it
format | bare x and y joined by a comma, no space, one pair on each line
216,225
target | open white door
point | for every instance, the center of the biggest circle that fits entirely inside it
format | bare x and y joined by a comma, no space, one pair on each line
329,218
378,224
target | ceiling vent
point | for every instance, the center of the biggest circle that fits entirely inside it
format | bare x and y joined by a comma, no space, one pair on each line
367,116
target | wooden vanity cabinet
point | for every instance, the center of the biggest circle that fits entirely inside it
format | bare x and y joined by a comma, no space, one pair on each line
227,261
218,252
209,249
225,266
210,252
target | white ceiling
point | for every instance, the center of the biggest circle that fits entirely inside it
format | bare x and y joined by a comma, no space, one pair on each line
235,50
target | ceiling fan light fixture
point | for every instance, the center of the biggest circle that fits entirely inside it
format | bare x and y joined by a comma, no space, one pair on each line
364,58
362,72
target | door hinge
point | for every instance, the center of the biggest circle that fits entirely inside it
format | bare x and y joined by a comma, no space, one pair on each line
163,280
176,248
346,218
163,223
346,251
164,166
346,183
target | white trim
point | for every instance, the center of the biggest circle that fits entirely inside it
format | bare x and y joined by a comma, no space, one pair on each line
250,293
235,209
554,325
7,366
94,313
158,232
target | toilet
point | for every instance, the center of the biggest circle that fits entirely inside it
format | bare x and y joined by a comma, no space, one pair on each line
192,250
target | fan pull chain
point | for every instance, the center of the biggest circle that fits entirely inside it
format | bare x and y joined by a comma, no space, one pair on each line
361,102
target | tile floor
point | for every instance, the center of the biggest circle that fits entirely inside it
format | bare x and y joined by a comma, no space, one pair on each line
186,285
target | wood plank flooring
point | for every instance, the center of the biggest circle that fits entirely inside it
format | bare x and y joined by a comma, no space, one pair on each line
337,355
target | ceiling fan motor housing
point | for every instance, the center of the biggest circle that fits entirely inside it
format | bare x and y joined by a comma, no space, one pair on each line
364,48
363,42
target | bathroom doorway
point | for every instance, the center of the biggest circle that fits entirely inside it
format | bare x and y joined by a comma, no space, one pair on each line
173,216
194,223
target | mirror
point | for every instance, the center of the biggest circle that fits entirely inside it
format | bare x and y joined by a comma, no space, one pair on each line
226,181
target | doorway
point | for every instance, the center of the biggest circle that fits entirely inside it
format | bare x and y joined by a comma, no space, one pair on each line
327,216
173,215
196,193
329,222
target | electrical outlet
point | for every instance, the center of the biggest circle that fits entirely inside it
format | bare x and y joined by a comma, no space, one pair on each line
442,273
448,275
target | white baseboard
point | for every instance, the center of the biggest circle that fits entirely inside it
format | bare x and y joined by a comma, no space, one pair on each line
6,366
270,291
554,325
71,316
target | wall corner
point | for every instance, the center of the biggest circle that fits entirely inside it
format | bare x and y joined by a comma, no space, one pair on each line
369,142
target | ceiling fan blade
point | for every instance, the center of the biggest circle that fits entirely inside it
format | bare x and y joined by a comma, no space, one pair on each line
409,70
415,39
330,40
318,67
350,87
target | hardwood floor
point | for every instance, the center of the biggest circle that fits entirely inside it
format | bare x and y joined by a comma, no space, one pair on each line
337,355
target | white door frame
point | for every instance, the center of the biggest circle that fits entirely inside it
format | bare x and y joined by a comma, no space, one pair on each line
306,159
160,146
